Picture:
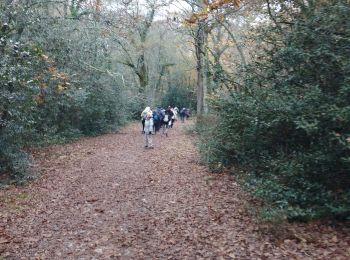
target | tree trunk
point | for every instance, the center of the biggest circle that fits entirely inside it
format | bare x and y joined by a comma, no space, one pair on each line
142,73
65,8
201,68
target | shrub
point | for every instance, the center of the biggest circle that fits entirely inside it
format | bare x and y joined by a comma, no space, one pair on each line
49,91
179,96
290,123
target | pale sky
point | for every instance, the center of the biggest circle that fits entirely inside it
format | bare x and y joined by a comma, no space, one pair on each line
177,6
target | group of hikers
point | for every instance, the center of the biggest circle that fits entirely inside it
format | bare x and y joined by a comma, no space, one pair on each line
160,119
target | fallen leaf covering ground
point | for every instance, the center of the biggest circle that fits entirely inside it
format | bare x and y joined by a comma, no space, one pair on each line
108,197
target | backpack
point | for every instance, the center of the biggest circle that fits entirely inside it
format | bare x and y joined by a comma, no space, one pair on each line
156,116
166,118
148,116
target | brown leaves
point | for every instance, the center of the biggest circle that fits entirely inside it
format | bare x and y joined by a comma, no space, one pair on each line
209,7
100,210
4,240
107,196
92,200
51,73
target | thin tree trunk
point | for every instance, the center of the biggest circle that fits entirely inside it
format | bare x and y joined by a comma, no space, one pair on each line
142,73
65,8
238,47
201,78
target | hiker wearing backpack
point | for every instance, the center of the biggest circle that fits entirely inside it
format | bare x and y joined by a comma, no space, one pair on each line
168,114
157,119
147,115
187,113
183,114
143,114
174,117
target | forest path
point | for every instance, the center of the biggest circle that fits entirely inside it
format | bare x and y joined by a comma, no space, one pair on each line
108,197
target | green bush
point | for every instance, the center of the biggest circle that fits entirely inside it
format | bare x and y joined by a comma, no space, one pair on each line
17,106
289,125
179,96
55,83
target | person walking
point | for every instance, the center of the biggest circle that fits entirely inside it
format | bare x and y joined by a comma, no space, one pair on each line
174,117
183,114
167,120
157,119
147,115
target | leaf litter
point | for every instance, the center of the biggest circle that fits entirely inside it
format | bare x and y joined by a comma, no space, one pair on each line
108,197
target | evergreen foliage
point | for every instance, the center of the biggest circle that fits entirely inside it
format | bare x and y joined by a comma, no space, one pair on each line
55,82
289,125
179,96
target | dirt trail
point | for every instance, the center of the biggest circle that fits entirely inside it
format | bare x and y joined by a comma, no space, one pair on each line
109,198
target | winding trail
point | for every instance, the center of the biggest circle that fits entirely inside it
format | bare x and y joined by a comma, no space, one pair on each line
108,197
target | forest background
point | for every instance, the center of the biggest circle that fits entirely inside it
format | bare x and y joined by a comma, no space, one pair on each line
269,80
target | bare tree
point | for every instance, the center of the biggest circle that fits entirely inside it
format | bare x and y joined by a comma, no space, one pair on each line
132,39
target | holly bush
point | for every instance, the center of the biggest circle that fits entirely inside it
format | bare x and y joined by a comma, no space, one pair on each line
288,126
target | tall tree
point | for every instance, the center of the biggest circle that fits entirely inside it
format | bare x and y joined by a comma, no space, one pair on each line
133,43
